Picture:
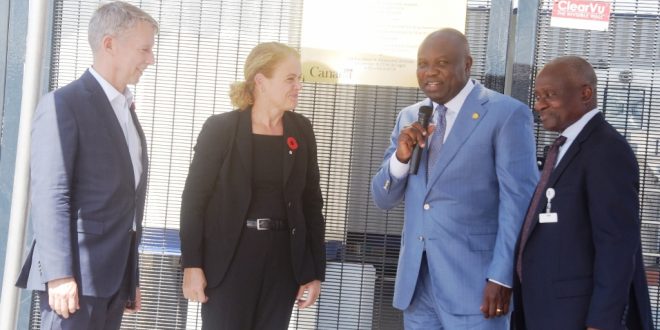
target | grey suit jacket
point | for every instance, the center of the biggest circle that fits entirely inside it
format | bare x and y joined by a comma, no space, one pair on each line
83,193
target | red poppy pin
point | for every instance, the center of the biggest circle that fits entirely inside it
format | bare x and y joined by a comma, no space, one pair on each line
292,143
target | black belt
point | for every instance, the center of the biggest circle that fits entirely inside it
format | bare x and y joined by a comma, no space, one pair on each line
266,224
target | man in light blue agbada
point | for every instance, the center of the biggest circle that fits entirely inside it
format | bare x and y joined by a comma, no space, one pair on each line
466,204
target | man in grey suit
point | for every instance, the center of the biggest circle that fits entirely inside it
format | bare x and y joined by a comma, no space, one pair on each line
465,205
88,181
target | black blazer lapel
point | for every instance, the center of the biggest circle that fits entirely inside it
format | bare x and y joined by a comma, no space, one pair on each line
575,148
99,102
291,131
244,143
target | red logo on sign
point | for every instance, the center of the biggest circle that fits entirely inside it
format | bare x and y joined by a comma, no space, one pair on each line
582,9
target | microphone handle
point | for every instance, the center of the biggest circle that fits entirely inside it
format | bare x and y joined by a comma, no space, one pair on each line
423,117
414,160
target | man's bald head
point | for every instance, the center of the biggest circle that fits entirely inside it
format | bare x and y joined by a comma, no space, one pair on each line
453,36
577,71
565,90
443,64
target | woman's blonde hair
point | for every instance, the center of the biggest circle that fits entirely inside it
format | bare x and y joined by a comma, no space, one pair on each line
262,59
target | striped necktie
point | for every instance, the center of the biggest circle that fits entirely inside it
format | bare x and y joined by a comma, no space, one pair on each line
437,139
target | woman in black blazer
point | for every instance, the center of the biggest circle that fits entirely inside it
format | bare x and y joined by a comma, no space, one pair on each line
252,231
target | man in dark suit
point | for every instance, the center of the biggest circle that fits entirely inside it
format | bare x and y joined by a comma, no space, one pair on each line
579,259
88,181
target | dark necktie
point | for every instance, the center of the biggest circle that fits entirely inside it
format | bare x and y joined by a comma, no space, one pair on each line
550,161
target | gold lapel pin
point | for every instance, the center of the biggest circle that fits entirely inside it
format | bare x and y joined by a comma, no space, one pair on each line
475,116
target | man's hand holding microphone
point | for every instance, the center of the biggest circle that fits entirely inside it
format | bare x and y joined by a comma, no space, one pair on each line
412,139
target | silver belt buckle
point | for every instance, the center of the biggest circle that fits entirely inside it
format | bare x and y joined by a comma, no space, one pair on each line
259,221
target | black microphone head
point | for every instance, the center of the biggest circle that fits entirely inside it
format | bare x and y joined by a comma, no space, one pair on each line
426,111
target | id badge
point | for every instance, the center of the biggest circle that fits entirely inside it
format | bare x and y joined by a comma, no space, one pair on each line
548,217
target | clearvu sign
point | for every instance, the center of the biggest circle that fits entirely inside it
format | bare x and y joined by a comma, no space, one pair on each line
581,14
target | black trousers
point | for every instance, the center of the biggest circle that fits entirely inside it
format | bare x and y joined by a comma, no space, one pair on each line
259,289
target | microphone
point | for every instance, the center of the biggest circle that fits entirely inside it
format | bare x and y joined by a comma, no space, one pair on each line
423,117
